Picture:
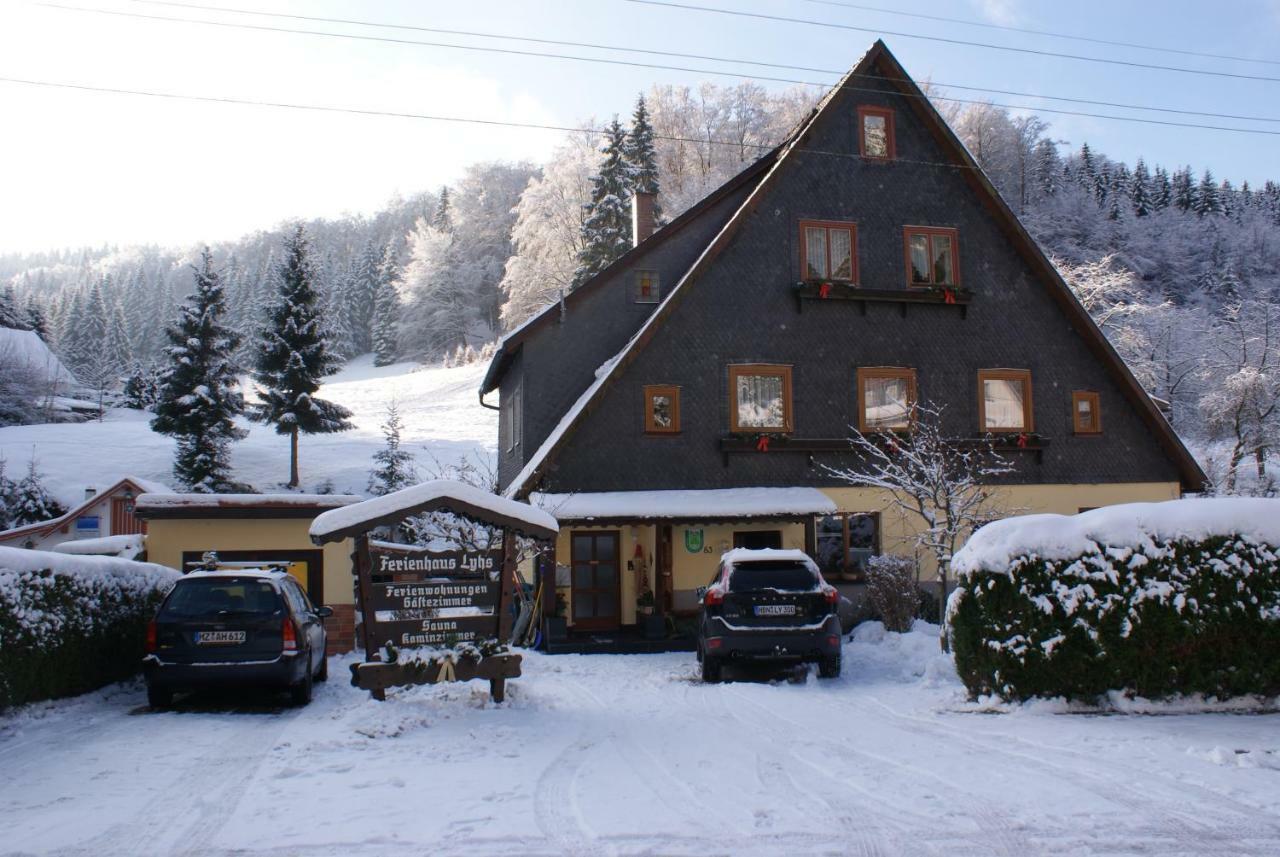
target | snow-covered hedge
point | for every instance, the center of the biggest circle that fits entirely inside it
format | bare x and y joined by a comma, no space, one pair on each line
69,624
1155,599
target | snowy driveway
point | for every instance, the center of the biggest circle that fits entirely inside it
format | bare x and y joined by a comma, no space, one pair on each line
632,755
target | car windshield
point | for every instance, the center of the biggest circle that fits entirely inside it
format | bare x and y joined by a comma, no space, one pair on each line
785,576
209,597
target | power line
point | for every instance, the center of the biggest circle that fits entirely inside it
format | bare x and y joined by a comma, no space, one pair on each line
679,55
986,45
1026,30
636,64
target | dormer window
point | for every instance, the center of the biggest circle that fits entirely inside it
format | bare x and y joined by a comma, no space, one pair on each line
829,251
875,133
645,290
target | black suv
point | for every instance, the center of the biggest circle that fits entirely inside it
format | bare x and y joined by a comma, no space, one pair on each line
769,605
235,628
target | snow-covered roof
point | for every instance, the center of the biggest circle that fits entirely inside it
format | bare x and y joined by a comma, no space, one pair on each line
436,495
1059,537
125,547
165,500
19,559
711,503
143,485
27,347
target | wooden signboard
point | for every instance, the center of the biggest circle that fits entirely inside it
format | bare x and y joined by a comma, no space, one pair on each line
435,595
408,633
427,564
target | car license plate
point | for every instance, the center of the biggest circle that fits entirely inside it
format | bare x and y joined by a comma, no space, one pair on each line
219,638
776,610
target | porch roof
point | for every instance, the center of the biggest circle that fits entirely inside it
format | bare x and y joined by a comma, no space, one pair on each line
706,505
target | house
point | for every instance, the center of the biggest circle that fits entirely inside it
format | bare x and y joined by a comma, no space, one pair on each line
686,399
253,529
102,514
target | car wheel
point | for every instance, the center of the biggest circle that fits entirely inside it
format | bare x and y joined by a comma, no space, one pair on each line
829,667
323,673
300,693
710,669
159,697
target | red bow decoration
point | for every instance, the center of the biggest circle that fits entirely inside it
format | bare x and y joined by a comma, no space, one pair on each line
948,296
1022,441
824,291
892,446
762,445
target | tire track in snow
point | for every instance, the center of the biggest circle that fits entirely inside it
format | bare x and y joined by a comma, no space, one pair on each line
999,832
555,802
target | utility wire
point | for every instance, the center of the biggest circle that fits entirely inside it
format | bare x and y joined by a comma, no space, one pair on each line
1026,30
637,64
986,45
676,54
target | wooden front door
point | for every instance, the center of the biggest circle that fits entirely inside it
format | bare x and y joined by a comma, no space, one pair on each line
597,592
123,521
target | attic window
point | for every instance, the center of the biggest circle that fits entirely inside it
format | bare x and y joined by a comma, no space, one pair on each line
875,133
661,409
1004,400
933,256
829,251
1086,417
759,398
646,287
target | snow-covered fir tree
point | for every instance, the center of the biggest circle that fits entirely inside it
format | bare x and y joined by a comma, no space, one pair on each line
293,357
393,465
386,311
606,229
197,397
11,314
642,157
31,502
443,218
1207,200
141,387
8,490
437,284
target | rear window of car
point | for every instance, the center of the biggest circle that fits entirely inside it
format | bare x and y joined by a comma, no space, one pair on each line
785,576
194,597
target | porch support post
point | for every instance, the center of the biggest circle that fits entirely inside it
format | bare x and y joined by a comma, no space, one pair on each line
547,575
506,590
368,618
662,570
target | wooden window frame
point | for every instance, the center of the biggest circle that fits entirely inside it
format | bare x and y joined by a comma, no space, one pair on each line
867,110
737,370
930,231
868,373
877,550
671,390
1028,404
635,287
1095,401
828,225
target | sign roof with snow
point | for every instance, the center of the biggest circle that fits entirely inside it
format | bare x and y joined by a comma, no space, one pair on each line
439,495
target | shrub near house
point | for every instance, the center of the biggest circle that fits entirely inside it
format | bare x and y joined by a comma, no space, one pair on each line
1154,599
69,624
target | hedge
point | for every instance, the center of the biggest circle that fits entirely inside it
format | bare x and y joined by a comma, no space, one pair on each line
1122,601
70,624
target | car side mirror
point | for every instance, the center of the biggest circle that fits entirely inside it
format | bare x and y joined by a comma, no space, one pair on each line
324,612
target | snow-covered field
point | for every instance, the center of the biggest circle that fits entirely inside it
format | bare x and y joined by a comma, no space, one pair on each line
634,755
438,406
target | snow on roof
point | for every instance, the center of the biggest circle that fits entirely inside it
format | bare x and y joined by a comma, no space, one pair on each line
1057,537
149,486
165,500
27,347
74,512
708,503
20,560
370,513
125,547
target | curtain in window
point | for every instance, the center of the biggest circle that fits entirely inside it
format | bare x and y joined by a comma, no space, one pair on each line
815,252
760,402
919,258
887,403
942,273
1003,403
841,254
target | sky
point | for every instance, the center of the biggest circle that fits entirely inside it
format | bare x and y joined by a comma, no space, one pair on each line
92,168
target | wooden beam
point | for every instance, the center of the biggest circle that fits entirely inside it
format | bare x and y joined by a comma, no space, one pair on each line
507,590
368,617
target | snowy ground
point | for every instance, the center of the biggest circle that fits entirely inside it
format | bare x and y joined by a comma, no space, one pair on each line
633,755
438,406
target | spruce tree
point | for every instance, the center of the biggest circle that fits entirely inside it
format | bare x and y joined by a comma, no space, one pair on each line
31,502
1183,190
443,218
642,157
196,397
606,229
1140,189
10,313
293,357
1162,191
36,319
1207,200
386,311
393,466
1048,168
8,493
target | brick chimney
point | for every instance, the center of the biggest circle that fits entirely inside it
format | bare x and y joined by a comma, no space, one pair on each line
641,216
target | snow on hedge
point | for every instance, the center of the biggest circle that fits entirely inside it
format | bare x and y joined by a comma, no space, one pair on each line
122,547
996,546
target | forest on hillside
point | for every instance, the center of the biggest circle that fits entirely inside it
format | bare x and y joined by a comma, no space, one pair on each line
1180,270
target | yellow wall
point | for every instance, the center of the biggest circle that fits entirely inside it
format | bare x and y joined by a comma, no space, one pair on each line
168,538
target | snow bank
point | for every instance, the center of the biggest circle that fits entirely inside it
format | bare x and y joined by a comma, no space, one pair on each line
715,502
123,547
143,573
1132,525
370,512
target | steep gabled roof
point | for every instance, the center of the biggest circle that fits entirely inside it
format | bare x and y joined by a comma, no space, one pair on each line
511,342
43,528
1192,477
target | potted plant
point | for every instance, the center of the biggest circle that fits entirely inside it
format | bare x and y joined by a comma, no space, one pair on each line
652,627
644,604
555,627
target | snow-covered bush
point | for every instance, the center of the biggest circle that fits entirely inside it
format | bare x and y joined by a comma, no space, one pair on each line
1154,599
891,587
69,624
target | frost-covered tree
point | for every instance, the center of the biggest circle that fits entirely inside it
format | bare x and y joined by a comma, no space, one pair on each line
1184,195
606,229
1140,189
443,218
31,502
1048,168
8,491
386,311
1208,201
293,357
436,285
942,481
141,387
393,465
642,157
197,397
11,314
